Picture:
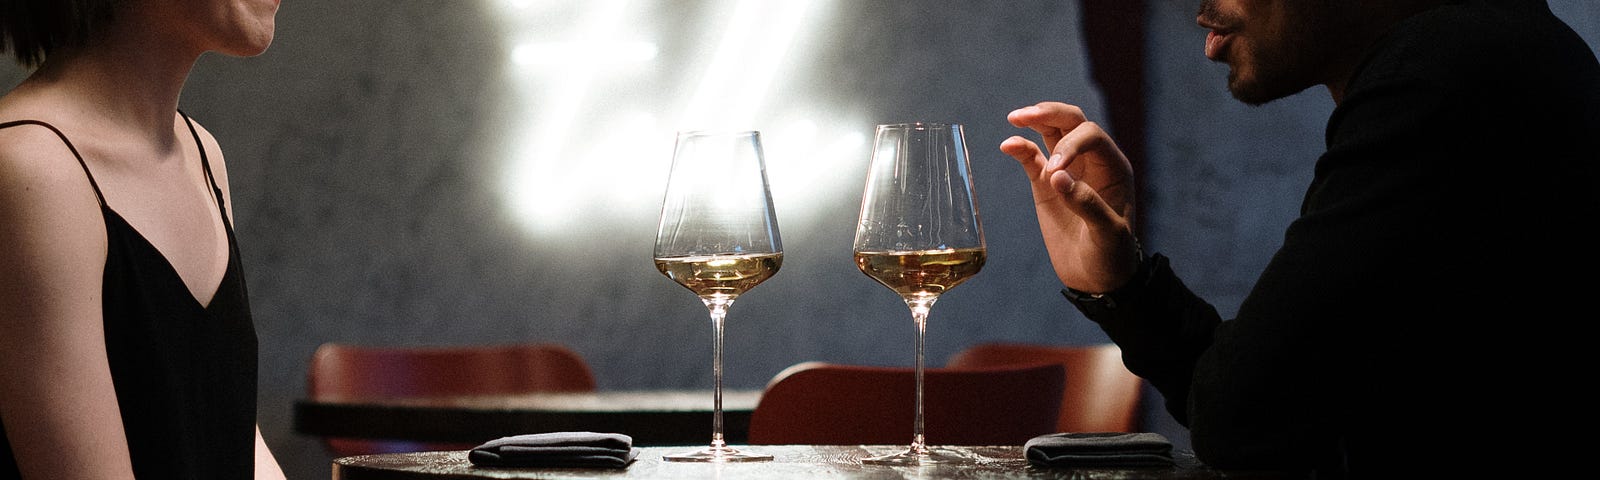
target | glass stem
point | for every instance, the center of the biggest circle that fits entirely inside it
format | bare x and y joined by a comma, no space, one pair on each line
919,314
718,306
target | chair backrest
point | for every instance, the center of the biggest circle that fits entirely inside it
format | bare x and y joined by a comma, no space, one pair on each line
819,403
1101,395
346,372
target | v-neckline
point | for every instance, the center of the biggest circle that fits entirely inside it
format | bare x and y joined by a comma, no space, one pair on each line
108,213
172,271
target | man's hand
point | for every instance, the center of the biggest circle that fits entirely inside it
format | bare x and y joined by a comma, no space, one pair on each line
1083,192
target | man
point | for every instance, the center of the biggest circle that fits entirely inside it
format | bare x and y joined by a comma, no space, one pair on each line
1437,273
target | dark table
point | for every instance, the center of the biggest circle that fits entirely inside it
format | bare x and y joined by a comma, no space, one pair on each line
654,417
790,462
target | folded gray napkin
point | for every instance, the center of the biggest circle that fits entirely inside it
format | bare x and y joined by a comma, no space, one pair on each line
558,449
1099,449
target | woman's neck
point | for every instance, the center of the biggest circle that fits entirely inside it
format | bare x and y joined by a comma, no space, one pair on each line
127,80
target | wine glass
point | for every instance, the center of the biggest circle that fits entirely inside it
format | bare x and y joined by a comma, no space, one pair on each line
919,235
718,237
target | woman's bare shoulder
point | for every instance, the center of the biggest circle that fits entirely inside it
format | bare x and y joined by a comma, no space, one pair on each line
29,124
32,151
42,182
207,141
219,165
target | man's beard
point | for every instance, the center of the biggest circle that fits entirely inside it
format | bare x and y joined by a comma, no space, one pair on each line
1271,81
1277,67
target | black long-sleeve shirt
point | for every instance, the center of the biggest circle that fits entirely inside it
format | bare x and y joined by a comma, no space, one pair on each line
1424,313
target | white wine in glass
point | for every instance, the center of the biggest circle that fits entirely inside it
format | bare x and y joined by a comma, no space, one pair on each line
919,234
718,238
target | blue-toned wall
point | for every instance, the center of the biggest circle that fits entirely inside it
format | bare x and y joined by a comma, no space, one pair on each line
383,155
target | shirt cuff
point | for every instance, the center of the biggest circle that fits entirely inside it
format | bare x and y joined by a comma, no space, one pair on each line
1097,305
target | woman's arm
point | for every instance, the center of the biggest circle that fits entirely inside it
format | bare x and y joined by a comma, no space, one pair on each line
56,395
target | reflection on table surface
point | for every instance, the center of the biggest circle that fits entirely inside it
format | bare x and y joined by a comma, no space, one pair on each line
790,462
651,417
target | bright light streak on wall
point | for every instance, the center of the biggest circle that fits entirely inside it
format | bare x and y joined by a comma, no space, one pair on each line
569,54
755,43
601,100
542,185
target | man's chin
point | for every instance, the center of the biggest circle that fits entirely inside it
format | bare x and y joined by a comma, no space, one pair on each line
1250,97
1257,93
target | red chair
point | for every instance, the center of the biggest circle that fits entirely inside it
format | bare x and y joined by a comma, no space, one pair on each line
1101,395
344,372
818,403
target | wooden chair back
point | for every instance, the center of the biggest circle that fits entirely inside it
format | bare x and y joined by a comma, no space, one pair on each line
346,372
1101,395
819,403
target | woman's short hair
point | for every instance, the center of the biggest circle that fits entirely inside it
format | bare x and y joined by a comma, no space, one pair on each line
31,29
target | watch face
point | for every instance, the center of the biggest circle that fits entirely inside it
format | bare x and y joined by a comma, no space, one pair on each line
1090,304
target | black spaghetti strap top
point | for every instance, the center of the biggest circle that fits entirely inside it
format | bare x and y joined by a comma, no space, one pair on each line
185,373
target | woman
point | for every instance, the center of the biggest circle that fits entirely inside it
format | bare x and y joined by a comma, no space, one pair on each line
126,343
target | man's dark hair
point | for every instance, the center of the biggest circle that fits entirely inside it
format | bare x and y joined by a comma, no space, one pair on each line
31,29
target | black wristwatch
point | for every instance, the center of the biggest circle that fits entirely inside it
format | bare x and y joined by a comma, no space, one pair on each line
1093,304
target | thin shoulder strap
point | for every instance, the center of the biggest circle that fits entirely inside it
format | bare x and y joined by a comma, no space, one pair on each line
205,164
92,183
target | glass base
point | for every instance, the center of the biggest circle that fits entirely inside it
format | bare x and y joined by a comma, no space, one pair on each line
919,455
718,454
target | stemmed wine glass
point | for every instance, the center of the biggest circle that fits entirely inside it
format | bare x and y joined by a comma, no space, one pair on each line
718,237
919,235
